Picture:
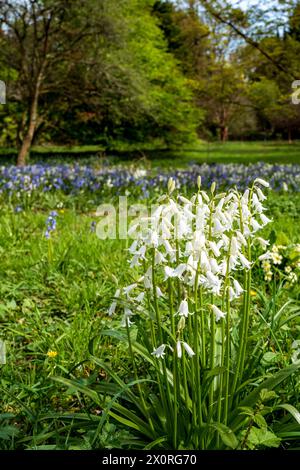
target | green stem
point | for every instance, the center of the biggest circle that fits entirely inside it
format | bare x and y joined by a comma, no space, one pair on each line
243,334
227,358
160,334
175,367
241,338
155,301
197,354
193,376
203,337
220,398
247,316
226,355
50,251
185,385
212,329
212,363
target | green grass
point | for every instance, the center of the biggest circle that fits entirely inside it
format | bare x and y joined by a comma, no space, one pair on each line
59,303
230,152
46,305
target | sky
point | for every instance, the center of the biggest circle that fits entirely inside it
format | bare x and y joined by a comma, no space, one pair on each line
243,3
252,3
263,4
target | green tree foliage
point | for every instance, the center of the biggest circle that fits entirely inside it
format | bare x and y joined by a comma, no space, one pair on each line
270,89
294,23
154,72
203,50
108,74
155,101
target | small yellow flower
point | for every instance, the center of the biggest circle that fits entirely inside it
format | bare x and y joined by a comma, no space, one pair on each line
52,354
253,293
62,211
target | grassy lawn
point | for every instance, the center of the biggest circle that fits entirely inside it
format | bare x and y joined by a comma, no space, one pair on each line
241,152
230,152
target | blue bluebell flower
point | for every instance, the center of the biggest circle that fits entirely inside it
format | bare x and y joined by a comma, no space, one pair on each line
51,224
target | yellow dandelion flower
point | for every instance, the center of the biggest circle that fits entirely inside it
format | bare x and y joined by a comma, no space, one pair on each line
52,354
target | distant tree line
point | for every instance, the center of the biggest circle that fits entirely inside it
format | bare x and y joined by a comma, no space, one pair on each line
152,72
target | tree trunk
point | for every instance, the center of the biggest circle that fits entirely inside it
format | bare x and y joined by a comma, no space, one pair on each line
20,131
224,134
27,141
33,117
290,136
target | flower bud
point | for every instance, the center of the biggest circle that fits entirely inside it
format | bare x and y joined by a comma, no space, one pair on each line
171,185
181,324
199,182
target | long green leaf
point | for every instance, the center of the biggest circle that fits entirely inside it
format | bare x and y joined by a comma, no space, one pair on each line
253,397
226,434
153,444
112,404
127,422
143,427
291,317
79,387
117,380
291,409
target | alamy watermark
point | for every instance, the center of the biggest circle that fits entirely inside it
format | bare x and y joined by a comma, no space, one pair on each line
129,221
296,93
2,92
117,222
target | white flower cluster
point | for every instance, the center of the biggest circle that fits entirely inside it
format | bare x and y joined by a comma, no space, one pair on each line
271,256
278,257
197,243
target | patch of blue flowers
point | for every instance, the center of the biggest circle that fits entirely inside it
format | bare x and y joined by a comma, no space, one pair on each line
76,179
